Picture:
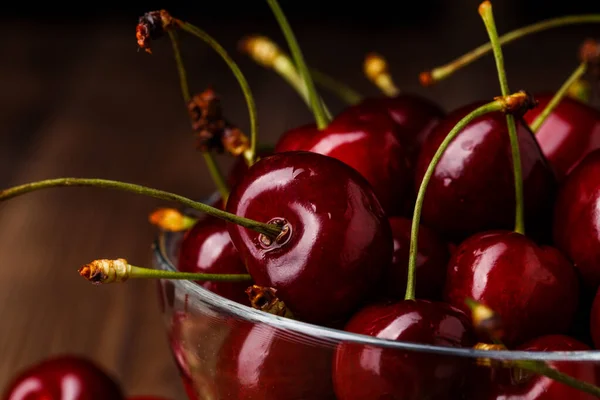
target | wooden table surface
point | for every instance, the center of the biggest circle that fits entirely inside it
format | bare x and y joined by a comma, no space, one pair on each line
81,101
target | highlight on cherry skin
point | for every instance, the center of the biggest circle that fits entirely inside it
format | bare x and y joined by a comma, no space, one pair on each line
369,251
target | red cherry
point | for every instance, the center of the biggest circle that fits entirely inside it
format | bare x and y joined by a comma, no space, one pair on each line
294,139
432,259
570,132
472,188
339,240
368,372
414,115
64,377
240,166
261,362
577,218
538,387
207,248
534,289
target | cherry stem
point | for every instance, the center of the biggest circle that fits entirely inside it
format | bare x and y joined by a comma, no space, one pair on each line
270,230
376,69
211,164
336,87
485,10
444,71
315,100
558,96
250,155
119,270
496,105
541,368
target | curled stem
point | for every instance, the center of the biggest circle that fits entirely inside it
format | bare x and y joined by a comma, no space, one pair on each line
315,100
496,105
211,164
485,10
558,96
269,230
119,270
442,72
250,155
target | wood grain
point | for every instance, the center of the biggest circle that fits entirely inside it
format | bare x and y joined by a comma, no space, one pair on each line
80,101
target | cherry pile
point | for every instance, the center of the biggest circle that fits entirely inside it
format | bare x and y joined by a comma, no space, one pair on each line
392,219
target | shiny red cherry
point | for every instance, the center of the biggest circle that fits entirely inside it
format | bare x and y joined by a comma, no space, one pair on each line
369,372
569,133
207,248
63,377
294,139
577,218
240,166
414,115
595,320
530,386
432,259
337,239
534,289
472,188
261,362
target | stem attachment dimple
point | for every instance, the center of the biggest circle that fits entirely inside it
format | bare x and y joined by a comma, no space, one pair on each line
485,10
376,70
315,100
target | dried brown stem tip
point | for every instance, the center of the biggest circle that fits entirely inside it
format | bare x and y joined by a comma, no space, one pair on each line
265,299
152,26
261,49
106,271
589,52
213,131
518,103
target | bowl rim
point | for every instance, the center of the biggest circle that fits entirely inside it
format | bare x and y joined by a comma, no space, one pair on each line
331,336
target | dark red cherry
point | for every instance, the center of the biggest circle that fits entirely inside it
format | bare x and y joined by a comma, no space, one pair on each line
571,131
367,140
595,320
577,218
530,386
261,362
294,139
369,372
414,115
534,289
472,188
207,248
63,378
432,259
339,240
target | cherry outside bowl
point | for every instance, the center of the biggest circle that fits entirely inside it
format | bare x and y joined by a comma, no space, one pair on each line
225,350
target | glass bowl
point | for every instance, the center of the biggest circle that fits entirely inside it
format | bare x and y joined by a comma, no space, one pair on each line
225,350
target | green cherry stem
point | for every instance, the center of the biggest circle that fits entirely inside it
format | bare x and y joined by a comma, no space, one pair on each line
442,72
558,96
315,100
270,230
199,33
541,368
119,270
211,164
336,87
496,105
485,10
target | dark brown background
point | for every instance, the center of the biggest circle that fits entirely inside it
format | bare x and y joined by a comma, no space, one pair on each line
77,99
